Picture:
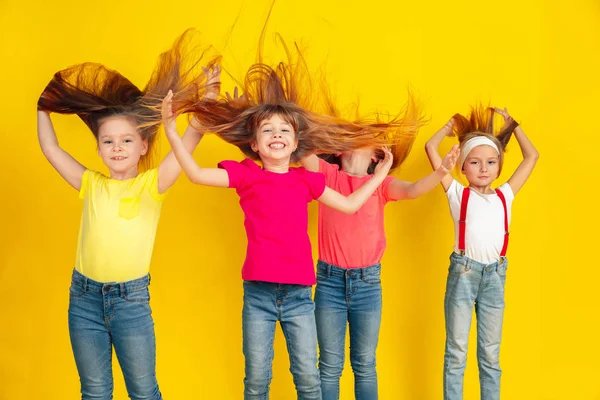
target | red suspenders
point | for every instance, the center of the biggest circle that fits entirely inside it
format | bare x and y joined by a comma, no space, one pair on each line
463,219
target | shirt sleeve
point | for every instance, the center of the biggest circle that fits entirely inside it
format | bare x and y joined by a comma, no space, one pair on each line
454,192
151,182
507,192
383,188
89,176
316,183
236,171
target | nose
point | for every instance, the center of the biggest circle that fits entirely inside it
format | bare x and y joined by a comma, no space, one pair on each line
276,134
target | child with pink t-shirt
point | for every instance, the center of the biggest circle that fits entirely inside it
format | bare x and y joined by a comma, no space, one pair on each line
278,271
348,290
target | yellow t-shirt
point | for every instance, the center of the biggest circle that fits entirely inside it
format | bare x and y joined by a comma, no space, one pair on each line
118,226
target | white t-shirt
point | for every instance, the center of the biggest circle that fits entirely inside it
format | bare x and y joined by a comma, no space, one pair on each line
484,233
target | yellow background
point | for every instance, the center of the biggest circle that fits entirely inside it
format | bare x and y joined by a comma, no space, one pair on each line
539,58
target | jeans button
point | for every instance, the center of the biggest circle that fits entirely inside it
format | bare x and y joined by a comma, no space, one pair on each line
488,269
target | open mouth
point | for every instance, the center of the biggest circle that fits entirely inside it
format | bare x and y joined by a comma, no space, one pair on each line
277,146
118,158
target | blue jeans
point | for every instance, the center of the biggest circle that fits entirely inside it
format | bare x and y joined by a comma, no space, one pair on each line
353,297
469,284
264,304
103,315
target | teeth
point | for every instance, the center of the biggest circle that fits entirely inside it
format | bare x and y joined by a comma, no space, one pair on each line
277,146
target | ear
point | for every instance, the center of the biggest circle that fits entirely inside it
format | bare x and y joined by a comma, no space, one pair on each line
144,146
254,146
296,142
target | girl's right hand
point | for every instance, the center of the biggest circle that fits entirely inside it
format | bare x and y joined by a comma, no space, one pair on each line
167,114
383,167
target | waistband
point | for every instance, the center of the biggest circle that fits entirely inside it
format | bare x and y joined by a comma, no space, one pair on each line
334,270
92,286
469,263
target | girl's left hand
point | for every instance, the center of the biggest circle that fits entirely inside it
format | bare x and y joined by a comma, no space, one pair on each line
383,166
167,114
505,114
213,80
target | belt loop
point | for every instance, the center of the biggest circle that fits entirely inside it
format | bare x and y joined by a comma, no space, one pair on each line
363,273
122,289
468,264
328,274
85,284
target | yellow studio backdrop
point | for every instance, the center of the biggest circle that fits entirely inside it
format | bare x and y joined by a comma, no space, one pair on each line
539,58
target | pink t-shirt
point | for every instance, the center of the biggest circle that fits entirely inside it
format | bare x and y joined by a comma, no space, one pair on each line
352,240
276,210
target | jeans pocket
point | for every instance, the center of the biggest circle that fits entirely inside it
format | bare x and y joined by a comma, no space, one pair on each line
502,270
137,296
129,207
372,279
458,268
321,275
76,290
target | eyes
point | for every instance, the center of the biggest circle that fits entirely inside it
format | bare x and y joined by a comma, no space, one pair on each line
491,162
108,141
270,128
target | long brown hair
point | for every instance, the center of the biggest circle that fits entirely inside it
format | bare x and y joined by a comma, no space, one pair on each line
288,90
95,92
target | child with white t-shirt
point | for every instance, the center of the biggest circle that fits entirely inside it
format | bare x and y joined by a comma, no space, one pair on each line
481,215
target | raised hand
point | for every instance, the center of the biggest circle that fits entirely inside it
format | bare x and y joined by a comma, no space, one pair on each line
383,166
450,159
213,81
168,116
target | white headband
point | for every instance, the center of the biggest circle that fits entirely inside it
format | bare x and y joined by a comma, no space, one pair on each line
471,144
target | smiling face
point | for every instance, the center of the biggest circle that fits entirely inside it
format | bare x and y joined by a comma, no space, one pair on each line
121,146
275,139
482,166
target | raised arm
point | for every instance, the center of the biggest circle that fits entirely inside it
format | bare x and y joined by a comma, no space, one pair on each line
400,190
195,173
530,155
353,202
169,169
311,163
431,148
68,167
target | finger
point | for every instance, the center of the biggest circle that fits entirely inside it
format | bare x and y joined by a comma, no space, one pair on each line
228,96
235,92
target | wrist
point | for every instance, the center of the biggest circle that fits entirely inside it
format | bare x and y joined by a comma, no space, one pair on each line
442,171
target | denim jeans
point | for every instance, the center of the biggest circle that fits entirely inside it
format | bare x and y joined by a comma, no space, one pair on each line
264,304
473,284
348,297
103,315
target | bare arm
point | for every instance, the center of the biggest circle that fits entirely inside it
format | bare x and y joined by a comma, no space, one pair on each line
169,169
311,163
68,167
400,190
195,173
530,156
352,203
431,148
